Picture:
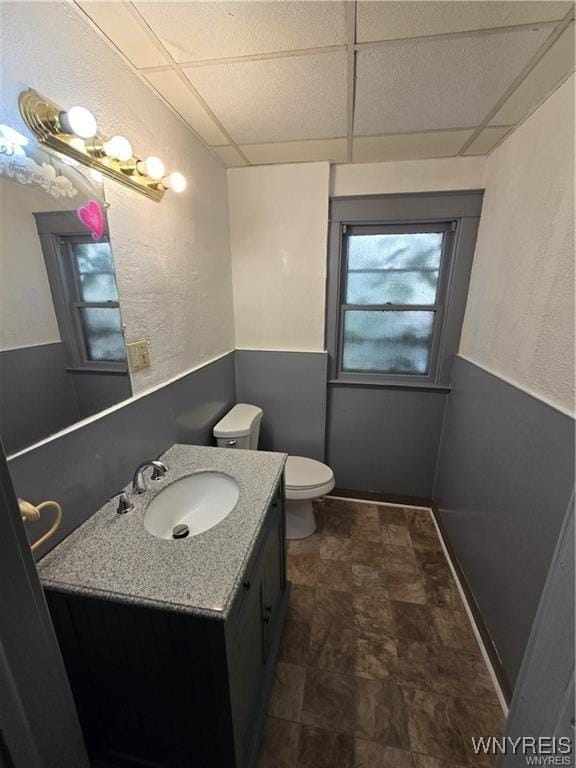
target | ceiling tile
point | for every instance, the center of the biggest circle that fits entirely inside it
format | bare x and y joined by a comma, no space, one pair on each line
175,91
442,83
334,150
549,71
487,139
209,30
230,155
293,98
412,146
394,20
119,25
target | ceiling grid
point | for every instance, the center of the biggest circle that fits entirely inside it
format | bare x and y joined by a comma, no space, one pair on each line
344,80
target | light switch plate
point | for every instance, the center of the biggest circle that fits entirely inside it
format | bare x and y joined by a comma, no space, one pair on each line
138,355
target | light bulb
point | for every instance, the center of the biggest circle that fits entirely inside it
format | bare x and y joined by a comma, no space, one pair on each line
152,166
119,148
80,121
175,181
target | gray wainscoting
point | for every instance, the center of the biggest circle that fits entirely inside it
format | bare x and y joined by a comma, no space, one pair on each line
39,396
290,387
504,478
384,440
85,467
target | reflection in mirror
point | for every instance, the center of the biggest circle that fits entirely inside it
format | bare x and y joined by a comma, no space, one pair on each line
62,350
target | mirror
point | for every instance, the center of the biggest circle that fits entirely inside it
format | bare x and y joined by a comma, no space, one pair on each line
62,349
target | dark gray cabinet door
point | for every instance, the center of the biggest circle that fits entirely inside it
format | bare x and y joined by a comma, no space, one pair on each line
273,578
248,665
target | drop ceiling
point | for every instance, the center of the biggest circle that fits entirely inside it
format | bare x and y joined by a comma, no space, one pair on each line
373,80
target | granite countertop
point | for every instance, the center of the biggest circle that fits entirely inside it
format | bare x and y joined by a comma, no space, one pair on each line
114,557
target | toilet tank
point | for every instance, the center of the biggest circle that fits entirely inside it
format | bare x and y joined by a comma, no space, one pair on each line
240,428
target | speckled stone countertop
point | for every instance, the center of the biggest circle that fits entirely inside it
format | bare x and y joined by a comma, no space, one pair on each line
114,557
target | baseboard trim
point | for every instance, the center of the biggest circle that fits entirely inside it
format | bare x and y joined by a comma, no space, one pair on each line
393,499
487,642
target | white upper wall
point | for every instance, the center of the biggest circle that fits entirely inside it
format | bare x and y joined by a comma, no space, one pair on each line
278,230
172,258
278,236
27,316
519,320
444,174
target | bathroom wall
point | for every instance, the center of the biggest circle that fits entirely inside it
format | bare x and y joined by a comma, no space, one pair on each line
172,258
290,387
87,465
519,322
172,263
506,460
278,230
437,175
385,439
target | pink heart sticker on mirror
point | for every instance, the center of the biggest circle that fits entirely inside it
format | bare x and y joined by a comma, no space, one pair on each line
92,216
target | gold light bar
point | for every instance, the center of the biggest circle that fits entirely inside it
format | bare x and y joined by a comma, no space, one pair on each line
48,121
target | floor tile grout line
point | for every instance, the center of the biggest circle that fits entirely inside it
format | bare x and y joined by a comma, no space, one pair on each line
467,610
464,600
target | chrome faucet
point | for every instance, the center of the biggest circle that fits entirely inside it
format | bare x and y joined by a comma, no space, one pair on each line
139,482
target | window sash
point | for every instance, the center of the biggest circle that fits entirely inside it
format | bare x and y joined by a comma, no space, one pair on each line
349,230
71,278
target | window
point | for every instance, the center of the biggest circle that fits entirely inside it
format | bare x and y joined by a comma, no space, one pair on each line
94,311
390,284
83,286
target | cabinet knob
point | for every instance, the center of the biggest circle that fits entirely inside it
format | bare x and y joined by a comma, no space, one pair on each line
268,608
247,585
266,619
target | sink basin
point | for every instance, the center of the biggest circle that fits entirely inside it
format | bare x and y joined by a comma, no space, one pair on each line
191,505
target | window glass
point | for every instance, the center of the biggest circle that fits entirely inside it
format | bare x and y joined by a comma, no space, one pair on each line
97,281
393,269
395,342
102,331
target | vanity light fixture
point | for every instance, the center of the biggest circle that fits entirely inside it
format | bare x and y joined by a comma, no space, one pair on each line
74,132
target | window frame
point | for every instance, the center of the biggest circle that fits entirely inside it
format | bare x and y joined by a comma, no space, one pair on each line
455,213
58,231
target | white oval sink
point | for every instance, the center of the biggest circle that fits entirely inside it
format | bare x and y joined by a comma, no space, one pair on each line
199,502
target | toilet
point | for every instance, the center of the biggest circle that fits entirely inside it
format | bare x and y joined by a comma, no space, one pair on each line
305,479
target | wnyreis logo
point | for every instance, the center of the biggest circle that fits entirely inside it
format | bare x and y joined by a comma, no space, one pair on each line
541,751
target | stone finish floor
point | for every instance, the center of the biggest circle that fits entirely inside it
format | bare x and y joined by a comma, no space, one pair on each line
378,667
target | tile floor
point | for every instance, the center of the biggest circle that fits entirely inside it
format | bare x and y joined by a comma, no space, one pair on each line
378,667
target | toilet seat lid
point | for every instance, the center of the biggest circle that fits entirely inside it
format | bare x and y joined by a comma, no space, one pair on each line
306,473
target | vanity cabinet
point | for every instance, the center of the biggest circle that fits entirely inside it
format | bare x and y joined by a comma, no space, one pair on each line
159,688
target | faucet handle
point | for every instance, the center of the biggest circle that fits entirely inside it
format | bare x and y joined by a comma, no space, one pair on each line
124,504
159,470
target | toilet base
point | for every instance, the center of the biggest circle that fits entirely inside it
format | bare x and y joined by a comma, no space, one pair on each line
300,520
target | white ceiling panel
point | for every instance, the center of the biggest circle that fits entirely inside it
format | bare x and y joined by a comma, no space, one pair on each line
179,95
487,139
394,20
121,28
549,71
413,146
434,84
230,156
334,150
211,30
293,98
